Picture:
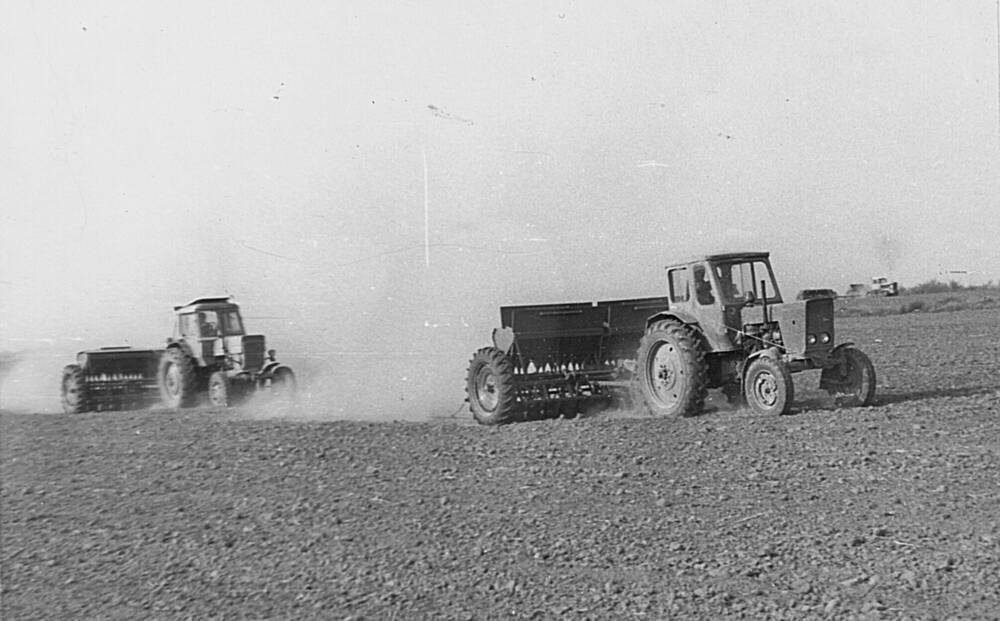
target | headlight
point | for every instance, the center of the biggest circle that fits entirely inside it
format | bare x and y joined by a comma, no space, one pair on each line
811,339
824,338
776,336
81,359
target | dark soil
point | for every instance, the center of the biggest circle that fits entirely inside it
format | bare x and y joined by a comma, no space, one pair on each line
882,512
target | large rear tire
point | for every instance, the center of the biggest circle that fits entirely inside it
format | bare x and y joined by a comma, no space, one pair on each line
490,387
673,374
177,379
74,390
768,386
852,382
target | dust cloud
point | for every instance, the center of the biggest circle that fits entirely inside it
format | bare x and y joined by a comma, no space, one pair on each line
30,380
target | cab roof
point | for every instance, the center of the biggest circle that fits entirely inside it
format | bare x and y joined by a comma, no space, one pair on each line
724,256
202,303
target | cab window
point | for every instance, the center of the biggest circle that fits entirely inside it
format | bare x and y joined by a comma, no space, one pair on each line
703,286
231,324
189,326
208,324
736,278
678,281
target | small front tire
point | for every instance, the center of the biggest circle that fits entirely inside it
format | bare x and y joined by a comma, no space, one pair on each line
852,381
218,389
283,384
768,387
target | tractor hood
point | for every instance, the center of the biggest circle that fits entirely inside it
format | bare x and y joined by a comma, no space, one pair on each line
245,352
806,326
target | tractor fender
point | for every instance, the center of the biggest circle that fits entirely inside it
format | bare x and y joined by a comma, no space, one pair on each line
184,347
676,315
828,378
771,352
836,350
834,358
271,368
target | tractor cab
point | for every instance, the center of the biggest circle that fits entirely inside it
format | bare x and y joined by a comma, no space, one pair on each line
210,349
210,323
212,328
723,294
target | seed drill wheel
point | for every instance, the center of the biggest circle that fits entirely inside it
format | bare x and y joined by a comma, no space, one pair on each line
768,386
853,381
673,374
74,390
218,389
490,387
177,379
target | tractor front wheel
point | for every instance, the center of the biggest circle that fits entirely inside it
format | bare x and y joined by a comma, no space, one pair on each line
283,383
490,387
218,389
74,390
673,374
852,381
768,386
177,379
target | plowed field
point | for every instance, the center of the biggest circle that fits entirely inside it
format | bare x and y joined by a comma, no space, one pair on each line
882,512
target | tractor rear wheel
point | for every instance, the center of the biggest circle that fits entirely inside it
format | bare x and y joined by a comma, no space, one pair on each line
768,386
218,389
852,381
177,379
74,390
673,374
490,387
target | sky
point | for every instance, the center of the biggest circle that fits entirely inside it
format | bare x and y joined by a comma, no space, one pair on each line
372,180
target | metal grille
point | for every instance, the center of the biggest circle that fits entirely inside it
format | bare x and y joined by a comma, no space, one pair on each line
253,352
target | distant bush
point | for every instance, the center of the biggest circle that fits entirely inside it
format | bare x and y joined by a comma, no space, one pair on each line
912,307
936,286
932,286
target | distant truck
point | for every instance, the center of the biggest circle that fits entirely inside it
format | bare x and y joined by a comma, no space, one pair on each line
208,352
880,286
722,324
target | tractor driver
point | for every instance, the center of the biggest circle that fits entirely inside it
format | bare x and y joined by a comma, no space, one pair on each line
730,290
207,327
702,287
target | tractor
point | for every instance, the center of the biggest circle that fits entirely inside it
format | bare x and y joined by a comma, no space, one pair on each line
210,352
722,325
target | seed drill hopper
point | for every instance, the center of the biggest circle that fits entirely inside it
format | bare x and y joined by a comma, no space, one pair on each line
111,378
